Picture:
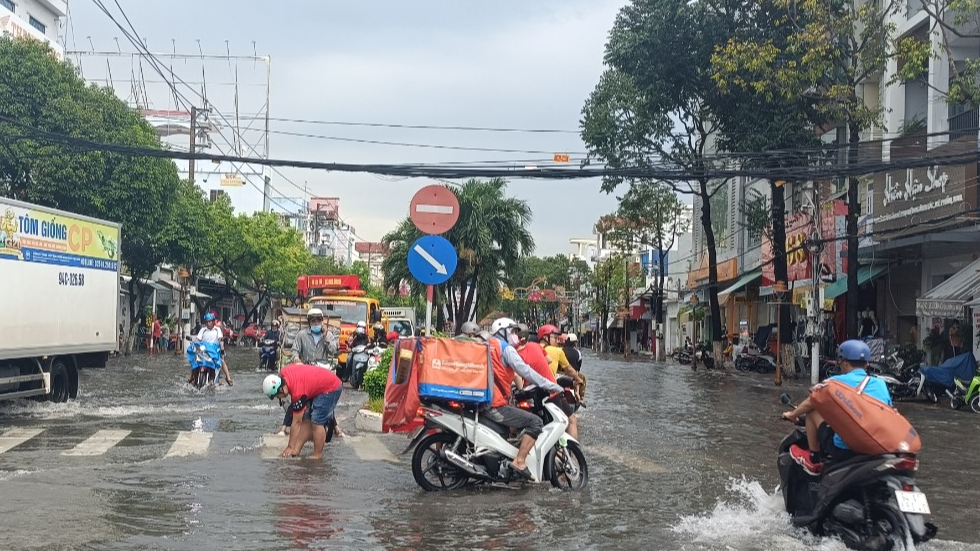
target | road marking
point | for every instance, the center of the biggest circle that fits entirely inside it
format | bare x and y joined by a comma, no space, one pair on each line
272,445
629,460
370,448
190,443
440,267
98,443
15,437
434,209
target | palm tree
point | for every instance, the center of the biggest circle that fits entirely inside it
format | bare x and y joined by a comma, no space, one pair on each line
491,238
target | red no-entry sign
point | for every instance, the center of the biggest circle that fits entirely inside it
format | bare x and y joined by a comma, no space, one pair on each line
434,209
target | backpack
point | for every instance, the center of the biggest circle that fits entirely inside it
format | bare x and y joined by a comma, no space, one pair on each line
867,425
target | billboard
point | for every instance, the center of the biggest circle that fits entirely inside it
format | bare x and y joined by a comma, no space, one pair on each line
46,237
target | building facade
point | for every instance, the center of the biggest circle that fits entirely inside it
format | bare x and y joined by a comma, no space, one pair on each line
37,19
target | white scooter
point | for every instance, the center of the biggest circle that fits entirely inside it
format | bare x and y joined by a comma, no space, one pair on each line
457,445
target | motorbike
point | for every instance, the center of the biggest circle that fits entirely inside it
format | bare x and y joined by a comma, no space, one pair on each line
702,354
205,360
269,355
754,359
965,394
870,502
941,379
456,447
684,355
365,358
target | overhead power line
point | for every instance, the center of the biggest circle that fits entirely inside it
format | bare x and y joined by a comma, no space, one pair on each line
428,126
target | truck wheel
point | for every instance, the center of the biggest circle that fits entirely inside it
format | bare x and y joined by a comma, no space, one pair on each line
60,382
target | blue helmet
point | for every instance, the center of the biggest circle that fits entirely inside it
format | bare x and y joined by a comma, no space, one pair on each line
209,316
854,351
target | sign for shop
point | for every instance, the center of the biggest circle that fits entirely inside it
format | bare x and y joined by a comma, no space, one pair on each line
907,200
799,227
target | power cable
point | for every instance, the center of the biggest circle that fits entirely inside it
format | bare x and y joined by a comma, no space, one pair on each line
427,126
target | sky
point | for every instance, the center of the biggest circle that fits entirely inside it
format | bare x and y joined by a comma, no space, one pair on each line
507,63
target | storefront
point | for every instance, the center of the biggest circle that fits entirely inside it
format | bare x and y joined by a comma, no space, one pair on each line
698,279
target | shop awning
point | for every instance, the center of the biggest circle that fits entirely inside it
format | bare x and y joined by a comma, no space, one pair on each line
949,297
740,284
865,274
147,282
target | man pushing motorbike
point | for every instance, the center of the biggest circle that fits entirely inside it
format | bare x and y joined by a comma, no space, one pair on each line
824,444
507,362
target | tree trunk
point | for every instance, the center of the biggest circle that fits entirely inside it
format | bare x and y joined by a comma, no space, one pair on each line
468,303
853,212
660,315
709,238
780,270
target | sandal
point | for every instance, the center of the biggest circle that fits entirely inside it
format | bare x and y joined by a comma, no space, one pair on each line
524,474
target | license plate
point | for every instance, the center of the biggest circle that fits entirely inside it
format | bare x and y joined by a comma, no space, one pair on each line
912,502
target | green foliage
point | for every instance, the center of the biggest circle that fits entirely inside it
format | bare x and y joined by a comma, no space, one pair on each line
757,216
376,381
491,237
376,405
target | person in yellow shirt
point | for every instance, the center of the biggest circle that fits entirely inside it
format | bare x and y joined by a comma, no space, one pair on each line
557,360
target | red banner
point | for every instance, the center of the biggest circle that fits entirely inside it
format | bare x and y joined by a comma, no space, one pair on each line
799,227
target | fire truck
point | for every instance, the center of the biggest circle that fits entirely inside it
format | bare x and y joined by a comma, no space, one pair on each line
340,296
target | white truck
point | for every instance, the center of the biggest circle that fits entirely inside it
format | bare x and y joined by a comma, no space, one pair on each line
400,319
59,294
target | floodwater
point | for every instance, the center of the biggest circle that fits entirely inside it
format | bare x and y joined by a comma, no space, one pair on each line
677,459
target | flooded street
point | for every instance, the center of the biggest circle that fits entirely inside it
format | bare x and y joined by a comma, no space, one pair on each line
678,460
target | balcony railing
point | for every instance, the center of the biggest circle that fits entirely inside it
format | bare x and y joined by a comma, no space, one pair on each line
964,124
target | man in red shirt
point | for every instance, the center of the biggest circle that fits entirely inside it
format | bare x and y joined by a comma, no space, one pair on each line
313,393
533,355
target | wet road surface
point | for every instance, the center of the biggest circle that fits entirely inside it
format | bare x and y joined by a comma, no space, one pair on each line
677,459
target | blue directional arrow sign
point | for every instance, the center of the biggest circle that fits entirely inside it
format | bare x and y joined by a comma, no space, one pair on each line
432,259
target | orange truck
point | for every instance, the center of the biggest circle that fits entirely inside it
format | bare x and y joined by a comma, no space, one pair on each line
340,296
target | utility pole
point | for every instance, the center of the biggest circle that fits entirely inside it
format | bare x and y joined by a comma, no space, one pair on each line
193,145
266,194
816,249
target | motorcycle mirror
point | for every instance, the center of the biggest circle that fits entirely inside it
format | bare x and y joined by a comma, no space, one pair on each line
784,399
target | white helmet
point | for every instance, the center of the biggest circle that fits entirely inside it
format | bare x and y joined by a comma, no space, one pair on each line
361,324
571,337
271,385
360,330
314,312
502,323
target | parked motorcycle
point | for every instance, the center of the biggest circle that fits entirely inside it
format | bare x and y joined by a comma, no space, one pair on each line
457,446
904,385
753,359
684,355
703,354
966,394
365,358
941,379
269,355
868,502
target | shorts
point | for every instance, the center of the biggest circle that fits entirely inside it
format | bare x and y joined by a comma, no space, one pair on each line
321,409
516,418
825,436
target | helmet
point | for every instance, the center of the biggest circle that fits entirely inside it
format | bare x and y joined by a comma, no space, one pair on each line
210,316
360,330
571,337
854,351
502,323
275,323
313,312
271,385
470,328
547,330
361,324
379,327
523,330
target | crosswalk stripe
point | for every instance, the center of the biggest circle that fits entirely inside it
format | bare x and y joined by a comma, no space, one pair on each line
189,443
16,437
98,443
370,448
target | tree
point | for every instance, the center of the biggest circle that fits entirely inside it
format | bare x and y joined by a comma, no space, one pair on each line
548,273
654,216
822,52
40,92
608,279
651,108
490,237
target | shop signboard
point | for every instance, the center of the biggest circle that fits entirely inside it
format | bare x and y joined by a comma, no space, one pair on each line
833,260
799,227
917,200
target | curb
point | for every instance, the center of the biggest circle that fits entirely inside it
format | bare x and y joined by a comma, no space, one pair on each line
367,420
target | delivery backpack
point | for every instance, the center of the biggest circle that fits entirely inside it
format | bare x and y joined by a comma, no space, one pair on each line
868,425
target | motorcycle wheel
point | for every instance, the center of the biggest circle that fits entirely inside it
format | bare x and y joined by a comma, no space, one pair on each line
975,403
956,401
427,462
708,362
356,378
249,341
566,468
930,395
743,365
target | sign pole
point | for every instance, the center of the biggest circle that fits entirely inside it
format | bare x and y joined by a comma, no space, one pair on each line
428,310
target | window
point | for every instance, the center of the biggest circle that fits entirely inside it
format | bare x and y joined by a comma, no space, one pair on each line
8,4
215,193
38,25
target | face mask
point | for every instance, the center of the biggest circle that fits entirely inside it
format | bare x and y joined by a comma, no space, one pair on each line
316,328
513,339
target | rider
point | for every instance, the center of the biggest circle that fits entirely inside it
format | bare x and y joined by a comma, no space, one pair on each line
314,393
559,356
548,336
533,355
211,333
378,337
358,337
852,357
574,356
506,361
469,331
313,344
